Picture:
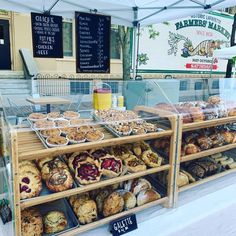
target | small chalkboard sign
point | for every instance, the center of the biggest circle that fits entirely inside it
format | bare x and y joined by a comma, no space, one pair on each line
123,225
92,43
5,212
47,35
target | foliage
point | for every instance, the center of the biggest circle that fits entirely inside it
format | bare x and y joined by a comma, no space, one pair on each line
142,59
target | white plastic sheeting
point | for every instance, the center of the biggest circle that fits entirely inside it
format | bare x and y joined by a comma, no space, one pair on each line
225,53
123,12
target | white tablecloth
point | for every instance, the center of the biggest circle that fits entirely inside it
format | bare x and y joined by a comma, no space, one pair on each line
206,210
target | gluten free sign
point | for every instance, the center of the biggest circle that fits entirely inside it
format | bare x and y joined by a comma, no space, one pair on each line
47,35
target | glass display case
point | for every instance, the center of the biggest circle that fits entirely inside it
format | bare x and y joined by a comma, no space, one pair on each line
88,157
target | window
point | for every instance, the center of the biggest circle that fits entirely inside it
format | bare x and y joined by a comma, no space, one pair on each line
198,86
67,39
183,85
114,86
79,87
115,44
215,84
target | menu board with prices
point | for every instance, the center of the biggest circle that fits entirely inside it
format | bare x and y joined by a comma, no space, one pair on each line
47,35
92,43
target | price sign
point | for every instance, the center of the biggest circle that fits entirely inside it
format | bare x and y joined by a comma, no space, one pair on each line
92,43
123,225
47,35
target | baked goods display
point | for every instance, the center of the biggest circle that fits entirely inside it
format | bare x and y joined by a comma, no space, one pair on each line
31,222
54,222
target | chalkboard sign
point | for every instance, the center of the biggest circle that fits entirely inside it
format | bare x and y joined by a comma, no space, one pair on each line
123,225
47,35
92,43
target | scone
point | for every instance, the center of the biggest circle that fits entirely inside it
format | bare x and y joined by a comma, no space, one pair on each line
100,198
31,222
59,179
146,196
49,166
151,159
30,184
83,196
137,185
54,221
86,211
113,204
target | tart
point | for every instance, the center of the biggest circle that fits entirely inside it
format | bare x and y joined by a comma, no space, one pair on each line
111,166
50,132
76,137
98,153
122,129
71,115
68,130
54,115
151,159
133,164
77,157
76,122
88,172
140,147
59,179
95,135
56,141
37,116
86,128
44,124
62,123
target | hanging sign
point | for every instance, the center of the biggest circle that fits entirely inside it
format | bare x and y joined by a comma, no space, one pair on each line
47,35
92,43
123,225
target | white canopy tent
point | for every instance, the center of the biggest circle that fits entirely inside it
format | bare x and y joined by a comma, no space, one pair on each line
226,54
123,12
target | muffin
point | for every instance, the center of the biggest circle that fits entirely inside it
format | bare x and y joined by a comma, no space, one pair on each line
54,221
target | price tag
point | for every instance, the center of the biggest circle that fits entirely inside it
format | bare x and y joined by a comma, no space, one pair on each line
5,212
123,225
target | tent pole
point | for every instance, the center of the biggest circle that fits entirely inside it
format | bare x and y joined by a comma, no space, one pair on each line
134,53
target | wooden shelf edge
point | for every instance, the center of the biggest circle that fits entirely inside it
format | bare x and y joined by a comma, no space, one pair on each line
205,180
106,220
54,196
90,145
208,123
207,152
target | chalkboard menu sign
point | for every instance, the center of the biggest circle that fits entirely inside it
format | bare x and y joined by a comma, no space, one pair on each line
92,43
47,35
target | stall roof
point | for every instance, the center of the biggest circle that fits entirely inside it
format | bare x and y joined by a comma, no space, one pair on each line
124,12
225,53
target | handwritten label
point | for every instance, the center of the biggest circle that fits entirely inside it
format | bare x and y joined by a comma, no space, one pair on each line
47,35
123,225
92,43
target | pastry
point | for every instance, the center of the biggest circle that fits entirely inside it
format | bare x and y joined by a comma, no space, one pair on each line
98,153
217,139
190,177
85,128
232,112
137,185
44,124
129,199
80,197
139,130
214,100
85,210
122,128
182,179
56,141
88,172
50,132
204,142
149,127
191,149
161,143
43,161
228,136
231,166
67,130
227,162
111,166
100,198
148,195
54,115
113,204
222,110
133,164
37,116
71,115
197,114
151,159
77,157
77,122
59,179
49,166
30,184
61,123
54,221
211,112
76,137
95,135
31,222
140,147
120,151
28,166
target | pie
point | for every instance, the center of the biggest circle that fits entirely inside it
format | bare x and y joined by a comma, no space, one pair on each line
71,114
98,153
37,116
151,159
54,115
120,151
111,166
76,137
133,164
67,130
75,122
85,128
56,141
88,172
61,123
95,135
44,124
50,132
140,147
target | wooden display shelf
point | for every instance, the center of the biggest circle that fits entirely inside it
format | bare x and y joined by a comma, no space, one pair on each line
106,220
24,154
207,179
54,196
208,123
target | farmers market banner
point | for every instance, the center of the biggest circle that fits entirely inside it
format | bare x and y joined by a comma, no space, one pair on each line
185,44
